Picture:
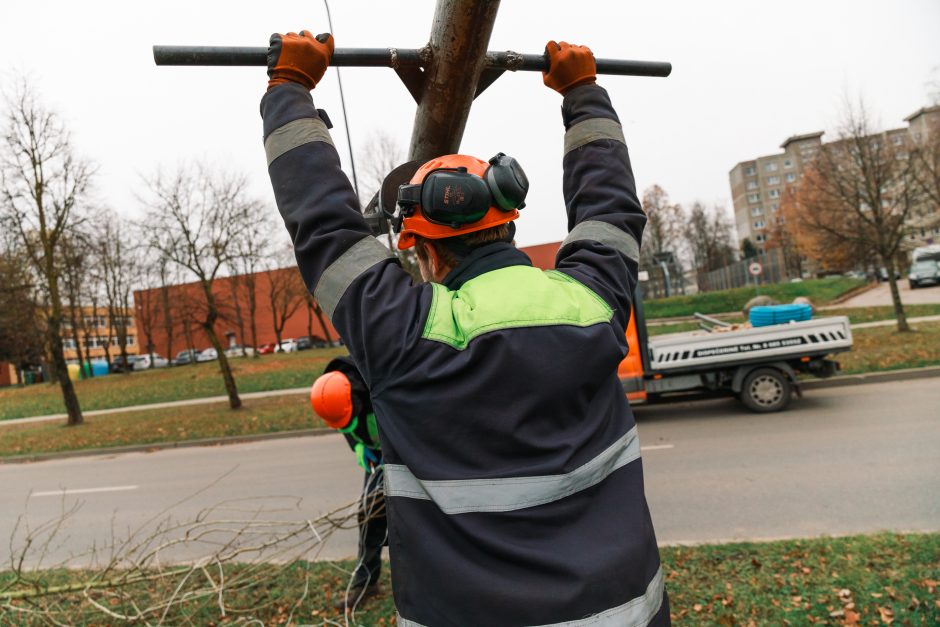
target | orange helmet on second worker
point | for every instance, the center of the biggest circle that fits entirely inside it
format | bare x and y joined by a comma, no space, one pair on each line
458,194
331,399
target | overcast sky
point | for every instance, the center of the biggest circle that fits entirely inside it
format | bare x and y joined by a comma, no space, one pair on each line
746,76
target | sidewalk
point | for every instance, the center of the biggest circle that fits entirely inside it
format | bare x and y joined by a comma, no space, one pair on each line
298,391
193,401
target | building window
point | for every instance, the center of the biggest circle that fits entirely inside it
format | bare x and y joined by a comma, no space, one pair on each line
791,177
131,340
760,238
750,170
756,211
788,163
752,184
758,224
771,167
774,206
753,197
68,344
773,180
898,140
774,193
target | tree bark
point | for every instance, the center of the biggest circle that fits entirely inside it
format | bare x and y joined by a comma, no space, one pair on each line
212,315
69,398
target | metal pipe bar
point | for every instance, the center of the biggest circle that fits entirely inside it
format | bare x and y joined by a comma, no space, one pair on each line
390,57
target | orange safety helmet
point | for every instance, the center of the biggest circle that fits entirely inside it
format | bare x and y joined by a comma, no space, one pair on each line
459,194
331,399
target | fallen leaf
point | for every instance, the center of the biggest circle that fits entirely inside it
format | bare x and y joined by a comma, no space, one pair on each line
851,617
887,615
697,607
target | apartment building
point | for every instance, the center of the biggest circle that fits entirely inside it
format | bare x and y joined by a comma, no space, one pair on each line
759,185
97,330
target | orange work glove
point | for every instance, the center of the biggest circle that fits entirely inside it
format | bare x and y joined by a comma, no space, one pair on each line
298,58
568,66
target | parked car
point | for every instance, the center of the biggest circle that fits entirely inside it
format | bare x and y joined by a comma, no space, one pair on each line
118,365
184,357
266,349
310,341
209,354
150,360
287,346
239,351
924,273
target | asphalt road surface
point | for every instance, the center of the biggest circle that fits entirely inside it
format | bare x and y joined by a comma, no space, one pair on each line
881,295
842,460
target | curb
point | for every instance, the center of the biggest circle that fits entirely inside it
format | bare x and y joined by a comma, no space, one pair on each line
908,374
159,446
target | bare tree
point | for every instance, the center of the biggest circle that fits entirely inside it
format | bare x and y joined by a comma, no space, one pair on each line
74,271
858,196
286,291
117,270
195,219
20,328
314,310
710,240
664,224
380,155
253,248
42,185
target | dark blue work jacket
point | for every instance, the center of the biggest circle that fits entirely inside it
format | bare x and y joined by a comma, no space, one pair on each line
513,476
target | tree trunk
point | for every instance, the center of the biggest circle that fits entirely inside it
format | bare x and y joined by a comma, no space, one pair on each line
252,308
212,315
903,327
326,332
310,320
167,317
61,369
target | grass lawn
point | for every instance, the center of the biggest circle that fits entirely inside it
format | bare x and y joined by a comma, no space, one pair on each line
260,415
820,291
269,372
883,348
860,580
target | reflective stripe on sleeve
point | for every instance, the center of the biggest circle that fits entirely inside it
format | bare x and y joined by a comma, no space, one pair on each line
341,273
510,493
591,130
294,134
636,612
606,234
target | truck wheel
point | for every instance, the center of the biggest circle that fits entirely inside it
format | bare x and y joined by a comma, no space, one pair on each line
766,390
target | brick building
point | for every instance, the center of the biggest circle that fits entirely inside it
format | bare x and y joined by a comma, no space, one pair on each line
186,303
758,185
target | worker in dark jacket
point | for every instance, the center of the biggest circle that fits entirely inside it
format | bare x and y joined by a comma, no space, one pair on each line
513,479
340,397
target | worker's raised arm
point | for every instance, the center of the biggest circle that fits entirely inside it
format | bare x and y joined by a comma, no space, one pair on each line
354,278
605,218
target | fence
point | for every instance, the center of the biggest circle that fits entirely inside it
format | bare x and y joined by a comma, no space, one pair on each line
737,275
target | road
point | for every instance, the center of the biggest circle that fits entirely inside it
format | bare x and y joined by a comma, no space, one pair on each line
881,296
842,460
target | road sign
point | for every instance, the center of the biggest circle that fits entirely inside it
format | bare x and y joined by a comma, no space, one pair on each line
755,268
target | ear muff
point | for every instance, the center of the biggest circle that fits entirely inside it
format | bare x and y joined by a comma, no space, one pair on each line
453,197
507,182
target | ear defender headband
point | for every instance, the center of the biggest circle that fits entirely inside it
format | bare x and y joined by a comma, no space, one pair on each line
455,197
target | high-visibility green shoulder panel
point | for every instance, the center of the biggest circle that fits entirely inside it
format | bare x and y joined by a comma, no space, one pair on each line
513,297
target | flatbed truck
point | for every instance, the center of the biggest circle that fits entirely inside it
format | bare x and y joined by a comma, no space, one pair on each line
757,365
